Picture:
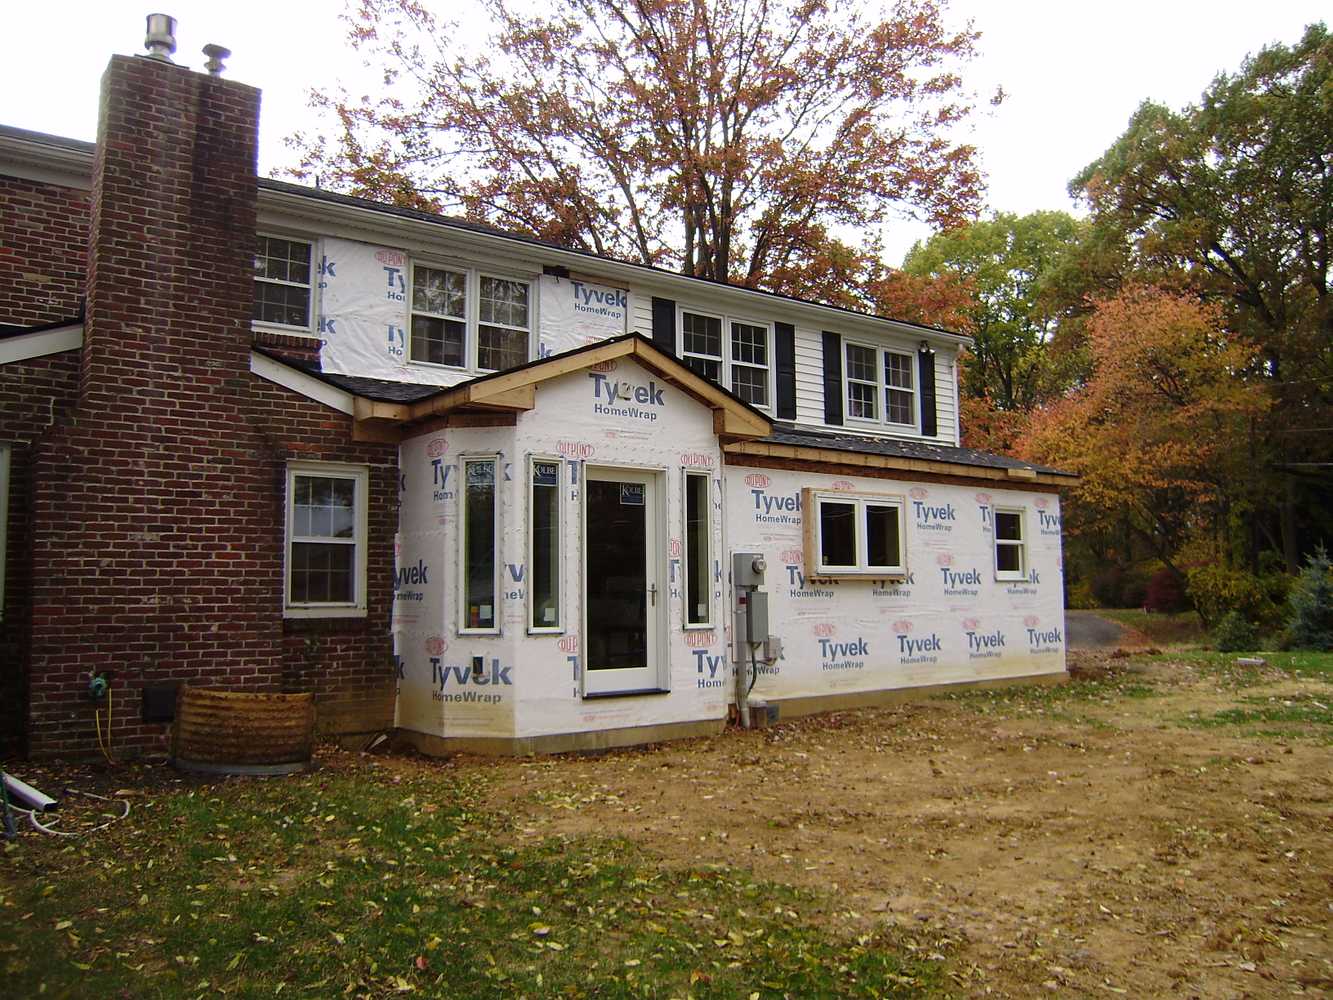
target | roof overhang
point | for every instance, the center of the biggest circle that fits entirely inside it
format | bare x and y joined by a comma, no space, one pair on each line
759,451
515,391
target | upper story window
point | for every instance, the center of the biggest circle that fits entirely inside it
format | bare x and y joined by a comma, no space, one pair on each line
880,385
731,352
283,282
447,303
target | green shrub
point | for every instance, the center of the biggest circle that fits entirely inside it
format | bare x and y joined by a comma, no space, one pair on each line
1234,634
1216,590
1311,603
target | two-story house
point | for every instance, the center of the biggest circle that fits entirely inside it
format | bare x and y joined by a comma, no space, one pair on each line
499,494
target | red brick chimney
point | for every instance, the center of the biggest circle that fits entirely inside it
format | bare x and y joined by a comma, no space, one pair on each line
157,543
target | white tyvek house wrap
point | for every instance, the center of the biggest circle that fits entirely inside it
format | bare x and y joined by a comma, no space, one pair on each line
365,315
950,620
577,313
531,684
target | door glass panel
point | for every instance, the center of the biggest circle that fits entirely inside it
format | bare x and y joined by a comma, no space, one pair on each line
617,575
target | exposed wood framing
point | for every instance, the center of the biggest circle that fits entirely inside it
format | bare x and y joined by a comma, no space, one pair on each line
756,454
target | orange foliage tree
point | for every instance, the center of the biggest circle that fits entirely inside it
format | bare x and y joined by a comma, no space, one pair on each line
760,143
1163,430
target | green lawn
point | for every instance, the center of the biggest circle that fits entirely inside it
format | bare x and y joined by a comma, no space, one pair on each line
345,883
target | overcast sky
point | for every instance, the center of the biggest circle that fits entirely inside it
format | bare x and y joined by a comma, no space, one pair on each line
1073,72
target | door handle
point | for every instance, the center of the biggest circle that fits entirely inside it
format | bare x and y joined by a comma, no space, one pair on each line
652,594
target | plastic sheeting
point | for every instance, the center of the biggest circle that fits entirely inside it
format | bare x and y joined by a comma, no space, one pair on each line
947,620
619,415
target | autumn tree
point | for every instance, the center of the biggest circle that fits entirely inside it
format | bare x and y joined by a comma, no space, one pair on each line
1232,198
1162,432
755,141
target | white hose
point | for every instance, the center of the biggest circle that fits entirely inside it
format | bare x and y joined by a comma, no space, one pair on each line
44,828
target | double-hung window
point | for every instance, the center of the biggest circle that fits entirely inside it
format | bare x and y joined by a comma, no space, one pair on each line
1011,561
283,282
851,534
326,539
698,551
734,353
881,385
480,534
448,302
544,544
439,316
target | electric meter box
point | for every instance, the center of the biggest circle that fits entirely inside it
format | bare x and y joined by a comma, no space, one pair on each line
756,616
747,569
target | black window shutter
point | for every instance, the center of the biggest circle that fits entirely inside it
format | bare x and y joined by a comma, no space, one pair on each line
832,378
664,325
784,351
926,359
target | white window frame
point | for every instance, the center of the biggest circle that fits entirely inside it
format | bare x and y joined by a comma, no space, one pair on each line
360,474
5,452
412,311
813,502
711,620
881,418
313,287
496,535
770,379
1021,544
472,309
559,627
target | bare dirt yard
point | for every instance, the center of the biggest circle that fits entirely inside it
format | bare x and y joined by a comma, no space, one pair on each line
1157,828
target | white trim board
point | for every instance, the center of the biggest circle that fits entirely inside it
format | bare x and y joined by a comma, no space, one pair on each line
26,346
301,383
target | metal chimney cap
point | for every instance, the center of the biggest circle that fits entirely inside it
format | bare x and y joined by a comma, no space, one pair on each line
216,55
160,40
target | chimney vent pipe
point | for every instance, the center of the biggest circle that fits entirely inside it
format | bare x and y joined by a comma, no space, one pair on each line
216,56
160,40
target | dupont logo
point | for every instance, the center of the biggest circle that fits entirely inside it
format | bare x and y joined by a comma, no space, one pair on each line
700,640
842,486
603,366
944,559
757,480
435,646
970,624
696,460
918,493
822,630
575,449
436,447
391,258
568,644
793,556
674,548
1041,503
1031,621
983,499
902,626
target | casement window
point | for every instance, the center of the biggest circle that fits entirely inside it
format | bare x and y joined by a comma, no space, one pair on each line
446,303
480,534
326,539
734,353
698,551
854,534
283,283
880,385
1011,557
544,544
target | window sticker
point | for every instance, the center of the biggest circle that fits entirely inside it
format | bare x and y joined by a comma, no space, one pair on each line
631,494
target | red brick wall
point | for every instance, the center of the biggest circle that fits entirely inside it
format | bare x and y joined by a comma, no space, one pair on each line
43,250
32,394
157,506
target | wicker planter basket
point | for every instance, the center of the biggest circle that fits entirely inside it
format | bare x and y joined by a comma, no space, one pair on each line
239,732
